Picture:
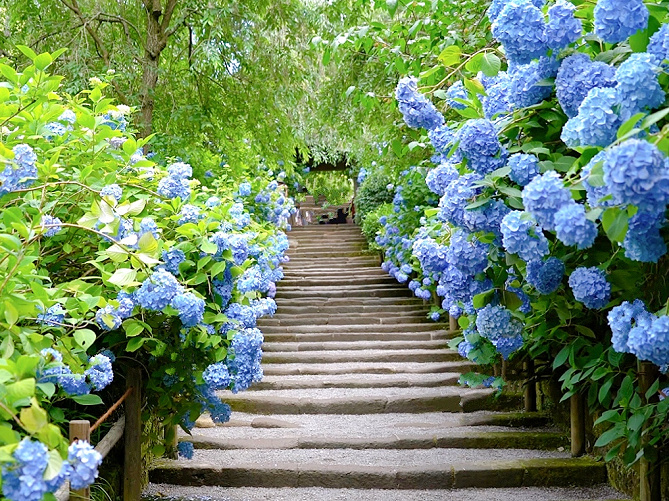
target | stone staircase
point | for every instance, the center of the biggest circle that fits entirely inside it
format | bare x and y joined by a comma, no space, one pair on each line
360,401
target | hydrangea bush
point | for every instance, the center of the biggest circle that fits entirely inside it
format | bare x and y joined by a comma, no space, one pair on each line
108,259
550,166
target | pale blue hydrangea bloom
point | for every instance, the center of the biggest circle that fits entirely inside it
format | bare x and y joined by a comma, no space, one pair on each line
520,27
417,110
521,235
190,214
563,28
651,342
440,177
108,318
623,318
100,372
54,315
643,241
190,308
173,258
528,82
638,88
480,145
217,376
545,276
467,253
12,179
590,287
457,91
84,460
158,290
524,168
544,196
112,190
573,228
658,45
577,76
616,20
597,121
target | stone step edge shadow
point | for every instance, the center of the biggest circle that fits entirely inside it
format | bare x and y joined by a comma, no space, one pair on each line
450,440
480,474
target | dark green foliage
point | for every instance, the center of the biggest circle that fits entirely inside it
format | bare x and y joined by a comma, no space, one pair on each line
372,193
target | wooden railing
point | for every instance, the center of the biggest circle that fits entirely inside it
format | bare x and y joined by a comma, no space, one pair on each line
129,428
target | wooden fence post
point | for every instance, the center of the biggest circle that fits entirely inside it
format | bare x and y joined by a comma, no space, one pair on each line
171,441
132,465
530,395
649,471
80,430
453,323
577,418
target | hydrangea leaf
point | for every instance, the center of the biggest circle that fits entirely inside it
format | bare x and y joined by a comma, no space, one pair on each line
490,64
86,337
123,277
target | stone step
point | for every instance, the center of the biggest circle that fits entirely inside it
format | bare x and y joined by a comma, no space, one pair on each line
368,400
269,347
325,252
167,492
368,368
358,336
325,287
349,265
376,355
328,273
338,281
360,309
447,439
360,381
335,292
344,319
319,329
378,469
360,301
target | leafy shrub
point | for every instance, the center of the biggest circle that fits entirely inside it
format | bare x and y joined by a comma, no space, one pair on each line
371,224
371,193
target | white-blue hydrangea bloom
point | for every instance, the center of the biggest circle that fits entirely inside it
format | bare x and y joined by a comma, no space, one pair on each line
577,75
616,20
573,228
440,177
544,196
190,308
84,460
521,235
658,45
112,190
51,224
417,110
100,372
638,88
527,86
651,342
524,168
623,318
597,121
521,29
563,28
497,100
467,253
457,196
158,290
108,318
24,174
590,287
480,145
457,91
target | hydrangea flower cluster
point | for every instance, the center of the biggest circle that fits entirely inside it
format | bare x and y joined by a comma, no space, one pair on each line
440,177
617,20
562,28
597,121
173,258
190,308
590,287
177,183
544,196
577,75
54,315
520,27
244,366
521,235
158,290
457,91
545,276
643,241
100,373
523,167
480,145
623,318
573,228
21,172
190,214
186,450
638,88
527,82
417,110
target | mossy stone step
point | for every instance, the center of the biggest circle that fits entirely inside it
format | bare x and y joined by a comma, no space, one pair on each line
375,355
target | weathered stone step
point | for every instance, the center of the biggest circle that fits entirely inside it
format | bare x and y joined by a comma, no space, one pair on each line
311,328
308,289
339,281
368,368
360,309
166,492
442,439
348,264
449,470
358,336
367,400
335,292
269,347
344,319
326,252
360,381
338,356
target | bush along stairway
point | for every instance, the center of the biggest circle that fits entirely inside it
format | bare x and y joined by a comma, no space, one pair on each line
360,400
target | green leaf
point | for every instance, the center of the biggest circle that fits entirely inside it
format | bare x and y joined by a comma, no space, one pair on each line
132,328
135,344
474,64
11,313
89,399
450,56
34,418
610,435
27,51
208,247
148,243
629,124
561,357
21,389
490,64
615,222
43,61
54,465
123,276
480,300
86,337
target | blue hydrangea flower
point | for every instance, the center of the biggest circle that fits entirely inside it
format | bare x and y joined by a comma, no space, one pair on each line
190,214
54,315
457,91
440,177
126,303
24,175
544,196
658,46
616,20
545,276
180,170
173,187
506,346
590,287
497,100
577,75
652,343
108,318
362,175
185,450
597,121
638,88
190,308
486,218
431,256
521,235
423,294
148,225
100,372
212,202
51,353
480,145
573,228
469,255
635,173
562,28
413,285
244,365
464,348
417,110
112,190
73,384
523,167
157,291
526,87
520,27
217,376
643,241
434,316
495,322
442,138
173,258
84,460
23,480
